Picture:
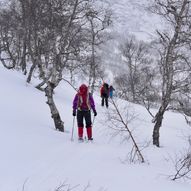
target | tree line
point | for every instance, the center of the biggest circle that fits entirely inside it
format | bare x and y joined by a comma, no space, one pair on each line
50,37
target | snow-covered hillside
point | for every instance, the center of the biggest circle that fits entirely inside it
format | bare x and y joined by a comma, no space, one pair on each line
129,18
36,157
33,154
133,17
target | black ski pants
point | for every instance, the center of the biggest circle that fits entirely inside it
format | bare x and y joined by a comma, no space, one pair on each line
104,100
84,114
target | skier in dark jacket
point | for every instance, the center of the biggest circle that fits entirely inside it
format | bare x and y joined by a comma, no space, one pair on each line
83,103
104,91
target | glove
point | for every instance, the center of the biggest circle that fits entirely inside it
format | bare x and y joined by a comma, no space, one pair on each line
74,113
95,113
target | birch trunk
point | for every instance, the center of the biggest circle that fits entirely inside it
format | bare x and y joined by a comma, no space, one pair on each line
59,124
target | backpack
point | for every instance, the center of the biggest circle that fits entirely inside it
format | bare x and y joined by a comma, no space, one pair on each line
106,88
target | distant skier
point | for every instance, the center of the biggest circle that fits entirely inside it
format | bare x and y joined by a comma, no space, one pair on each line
104,91
111,89
83,103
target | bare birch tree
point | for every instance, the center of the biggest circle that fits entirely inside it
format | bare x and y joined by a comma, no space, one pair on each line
174,61
136,80
183,165
119,121
98,19
10,37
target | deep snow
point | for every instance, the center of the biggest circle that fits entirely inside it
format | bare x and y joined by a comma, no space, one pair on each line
34,154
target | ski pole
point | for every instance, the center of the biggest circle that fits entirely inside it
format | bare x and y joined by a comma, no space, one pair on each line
72,136
93,120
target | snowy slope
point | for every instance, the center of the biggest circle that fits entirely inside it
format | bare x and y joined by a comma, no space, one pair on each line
133,17
129,18
34,154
